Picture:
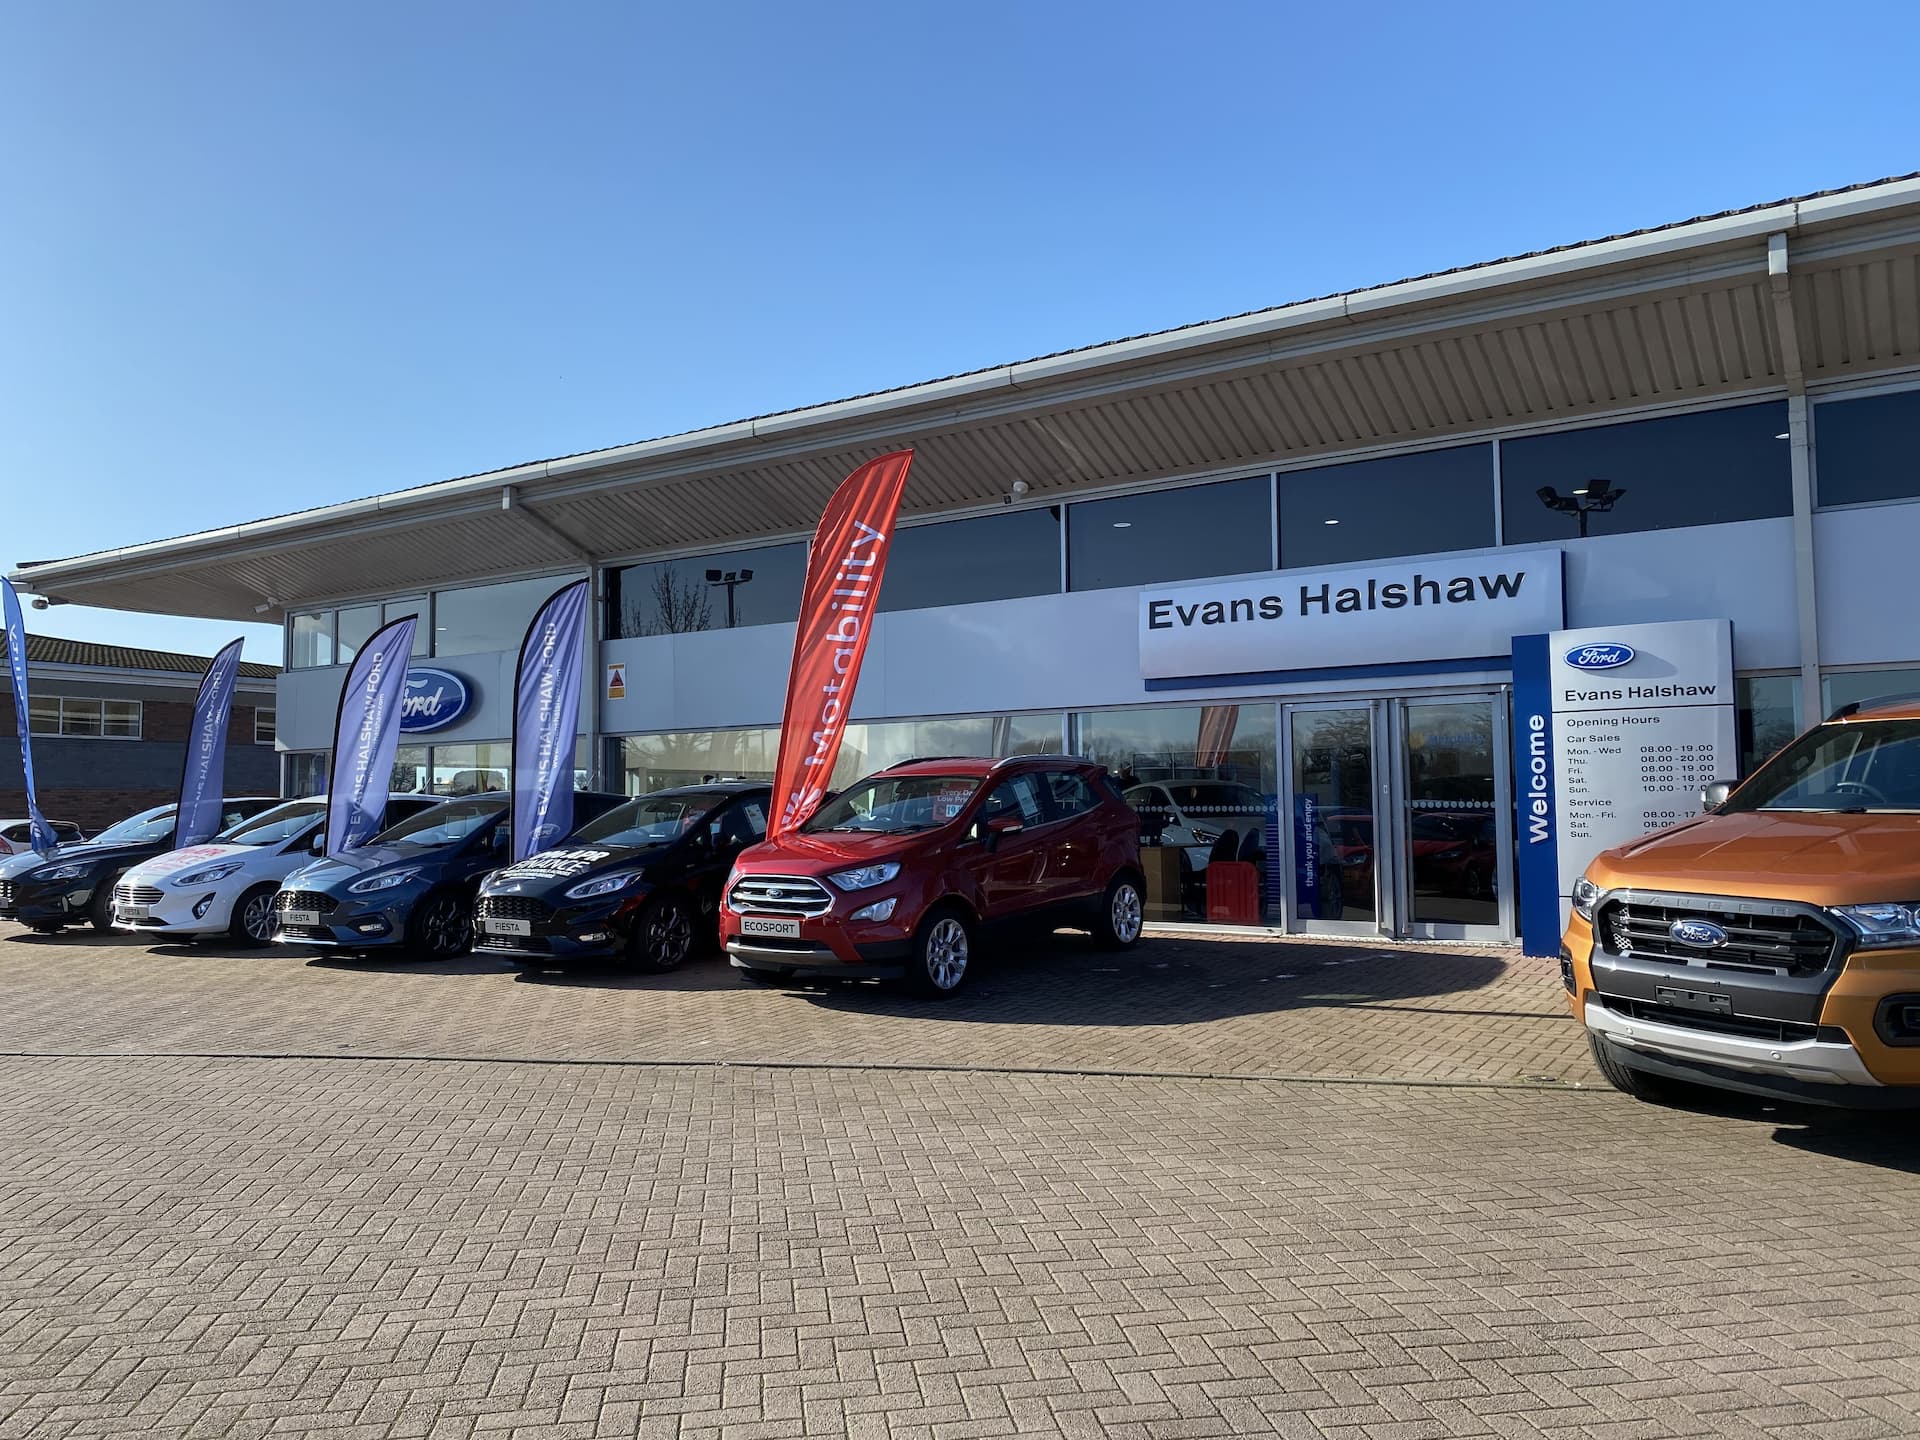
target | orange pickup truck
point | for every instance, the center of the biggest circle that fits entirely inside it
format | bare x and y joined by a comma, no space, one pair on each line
1772,945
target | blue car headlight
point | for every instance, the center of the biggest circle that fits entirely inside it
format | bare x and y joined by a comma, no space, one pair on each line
374,884
605,885
59,872
208,875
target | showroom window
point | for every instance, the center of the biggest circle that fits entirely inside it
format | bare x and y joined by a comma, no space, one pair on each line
734,588
1706,468
310,641
961,562
1186,534
416,606
1848,687
265,728
481,618
1204,781
449,770
75,717
1767,714
1398,505
353,627
1867,449
646,763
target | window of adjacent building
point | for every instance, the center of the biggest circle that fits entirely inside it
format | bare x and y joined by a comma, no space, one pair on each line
84,718
707,592
1847,687
311,643
1767,713
1868,448
304,773
1396,505
961,562
1184,534
354,626
1707,468
265,730
488,617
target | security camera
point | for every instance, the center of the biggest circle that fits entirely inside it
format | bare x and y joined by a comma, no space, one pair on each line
1021,487
39,602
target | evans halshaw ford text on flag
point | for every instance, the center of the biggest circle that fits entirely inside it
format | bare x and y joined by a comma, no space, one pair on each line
42,840
546,715
366,736
204,771
844,570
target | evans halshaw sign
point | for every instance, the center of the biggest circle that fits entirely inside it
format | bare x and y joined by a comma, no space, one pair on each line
1461,608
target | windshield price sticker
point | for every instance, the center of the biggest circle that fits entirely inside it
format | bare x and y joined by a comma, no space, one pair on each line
950,801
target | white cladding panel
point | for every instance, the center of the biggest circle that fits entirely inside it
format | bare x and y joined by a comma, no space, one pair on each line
1863,564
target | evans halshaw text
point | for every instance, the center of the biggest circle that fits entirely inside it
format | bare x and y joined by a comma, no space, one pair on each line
1325,600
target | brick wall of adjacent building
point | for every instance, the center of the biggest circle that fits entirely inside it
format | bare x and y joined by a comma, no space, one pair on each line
93,783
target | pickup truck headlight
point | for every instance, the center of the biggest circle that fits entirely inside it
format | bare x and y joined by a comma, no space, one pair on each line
373,884
1877,925
1586,895
207,876
865,877
605,885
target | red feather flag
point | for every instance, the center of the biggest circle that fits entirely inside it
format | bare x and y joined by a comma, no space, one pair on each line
844,569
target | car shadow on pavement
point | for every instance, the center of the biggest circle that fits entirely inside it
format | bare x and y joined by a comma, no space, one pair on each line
468,964
705,972
1067,980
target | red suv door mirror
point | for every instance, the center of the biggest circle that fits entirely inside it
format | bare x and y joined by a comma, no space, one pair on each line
999,826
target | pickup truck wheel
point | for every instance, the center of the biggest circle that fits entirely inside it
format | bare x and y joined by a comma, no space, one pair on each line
942,955
1121,916
1624,1078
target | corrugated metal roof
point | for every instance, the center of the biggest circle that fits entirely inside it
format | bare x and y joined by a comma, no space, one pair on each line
56,650
1668,314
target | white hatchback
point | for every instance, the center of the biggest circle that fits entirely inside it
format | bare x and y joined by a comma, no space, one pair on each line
227,885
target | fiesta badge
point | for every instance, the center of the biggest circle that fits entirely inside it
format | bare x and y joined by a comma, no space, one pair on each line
1605,656
434,700
1698,934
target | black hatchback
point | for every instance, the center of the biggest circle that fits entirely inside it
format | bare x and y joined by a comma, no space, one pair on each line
642,882
412,885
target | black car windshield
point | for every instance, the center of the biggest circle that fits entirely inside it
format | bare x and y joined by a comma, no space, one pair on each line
446,824
1866,766
271,827
890,805
154,824
650,820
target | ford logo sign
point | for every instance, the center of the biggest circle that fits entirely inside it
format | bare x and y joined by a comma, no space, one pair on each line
1698,934
1599,657
434,700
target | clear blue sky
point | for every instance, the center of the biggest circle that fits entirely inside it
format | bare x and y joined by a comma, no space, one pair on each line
261,257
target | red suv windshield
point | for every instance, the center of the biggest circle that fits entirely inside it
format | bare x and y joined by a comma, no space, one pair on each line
892,805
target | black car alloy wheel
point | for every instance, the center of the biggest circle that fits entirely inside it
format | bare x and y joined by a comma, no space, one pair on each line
663,936
442,926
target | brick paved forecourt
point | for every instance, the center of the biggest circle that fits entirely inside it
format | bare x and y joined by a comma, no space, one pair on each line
278,1235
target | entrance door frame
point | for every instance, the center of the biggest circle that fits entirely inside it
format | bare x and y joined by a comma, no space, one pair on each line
1499,699
1393,877
1384,861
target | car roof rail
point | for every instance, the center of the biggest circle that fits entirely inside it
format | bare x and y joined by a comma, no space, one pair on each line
1854,707
925,759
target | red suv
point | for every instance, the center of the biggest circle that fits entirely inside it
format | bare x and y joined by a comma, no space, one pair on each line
896,875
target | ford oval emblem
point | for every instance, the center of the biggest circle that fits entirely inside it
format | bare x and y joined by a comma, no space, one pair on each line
1605,656
1698,934
434,700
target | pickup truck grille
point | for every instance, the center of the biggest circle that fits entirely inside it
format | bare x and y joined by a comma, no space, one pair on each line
780,895
1761,939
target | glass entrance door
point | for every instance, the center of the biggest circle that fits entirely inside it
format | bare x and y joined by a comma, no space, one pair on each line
1450,828
1340,868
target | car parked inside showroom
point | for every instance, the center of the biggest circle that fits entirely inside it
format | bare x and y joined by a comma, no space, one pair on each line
642,883
226,886
412,886
898,876
74,884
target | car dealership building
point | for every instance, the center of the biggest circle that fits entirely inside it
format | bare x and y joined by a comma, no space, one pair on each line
1268,568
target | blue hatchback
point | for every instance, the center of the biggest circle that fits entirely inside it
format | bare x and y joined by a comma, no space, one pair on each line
411,887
